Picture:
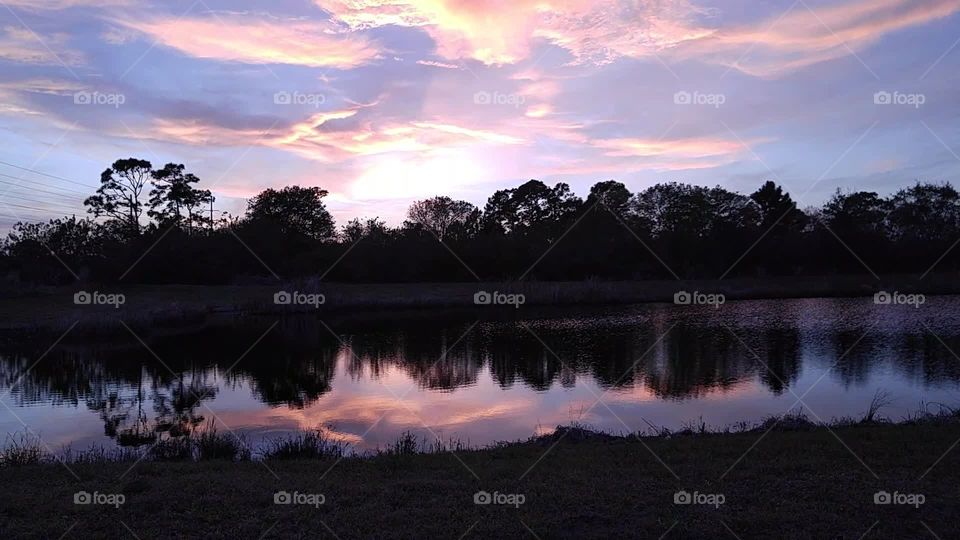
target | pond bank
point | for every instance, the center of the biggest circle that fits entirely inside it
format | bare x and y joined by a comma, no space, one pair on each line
794,481
54,309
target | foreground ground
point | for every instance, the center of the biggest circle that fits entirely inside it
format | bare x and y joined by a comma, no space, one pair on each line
790,484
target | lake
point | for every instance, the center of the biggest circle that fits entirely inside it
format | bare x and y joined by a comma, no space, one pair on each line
481,376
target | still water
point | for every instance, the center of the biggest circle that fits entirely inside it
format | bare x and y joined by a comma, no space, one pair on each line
485,376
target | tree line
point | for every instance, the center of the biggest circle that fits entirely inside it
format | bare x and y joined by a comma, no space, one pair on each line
152,225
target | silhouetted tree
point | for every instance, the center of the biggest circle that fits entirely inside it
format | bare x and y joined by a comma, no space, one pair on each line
175,200
678,209
862,211
532,208
925,211
68,237
664,231
440,214
777,209
373,228
118,196
295,209
610,195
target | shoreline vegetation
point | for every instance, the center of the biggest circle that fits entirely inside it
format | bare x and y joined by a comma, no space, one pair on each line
535,231
206,442
54,309
785,477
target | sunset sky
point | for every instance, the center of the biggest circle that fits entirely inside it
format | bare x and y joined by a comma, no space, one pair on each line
385,101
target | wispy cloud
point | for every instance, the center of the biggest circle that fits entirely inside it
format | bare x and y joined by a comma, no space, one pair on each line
245,39
804,36
505,33
22,45
433,63
601,31
43,5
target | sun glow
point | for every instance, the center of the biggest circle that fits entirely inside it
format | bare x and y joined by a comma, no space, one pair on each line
398,178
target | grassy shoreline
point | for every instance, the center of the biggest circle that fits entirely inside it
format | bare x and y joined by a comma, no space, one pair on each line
174,305
796,481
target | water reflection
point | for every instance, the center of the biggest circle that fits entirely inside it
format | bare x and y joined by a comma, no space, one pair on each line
492,379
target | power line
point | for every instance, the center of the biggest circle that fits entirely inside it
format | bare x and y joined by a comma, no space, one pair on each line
23,218
32,181
61,205
31,188
47,175
27,207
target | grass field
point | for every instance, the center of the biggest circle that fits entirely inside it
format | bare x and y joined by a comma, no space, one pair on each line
804,483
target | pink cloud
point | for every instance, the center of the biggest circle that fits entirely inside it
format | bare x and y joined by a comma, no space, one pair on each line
38,5
505,32
601,31
538,111
804,37
256,41
315,138
684,148
437,64
18,44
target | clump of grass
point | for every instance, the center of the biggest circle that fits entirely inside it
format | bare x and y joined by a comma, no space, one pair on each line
451,445
656,431
881,399
100,454
575,432
212,444
797,421
23,449
405,445
313,444
172,449
694,427
944,414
